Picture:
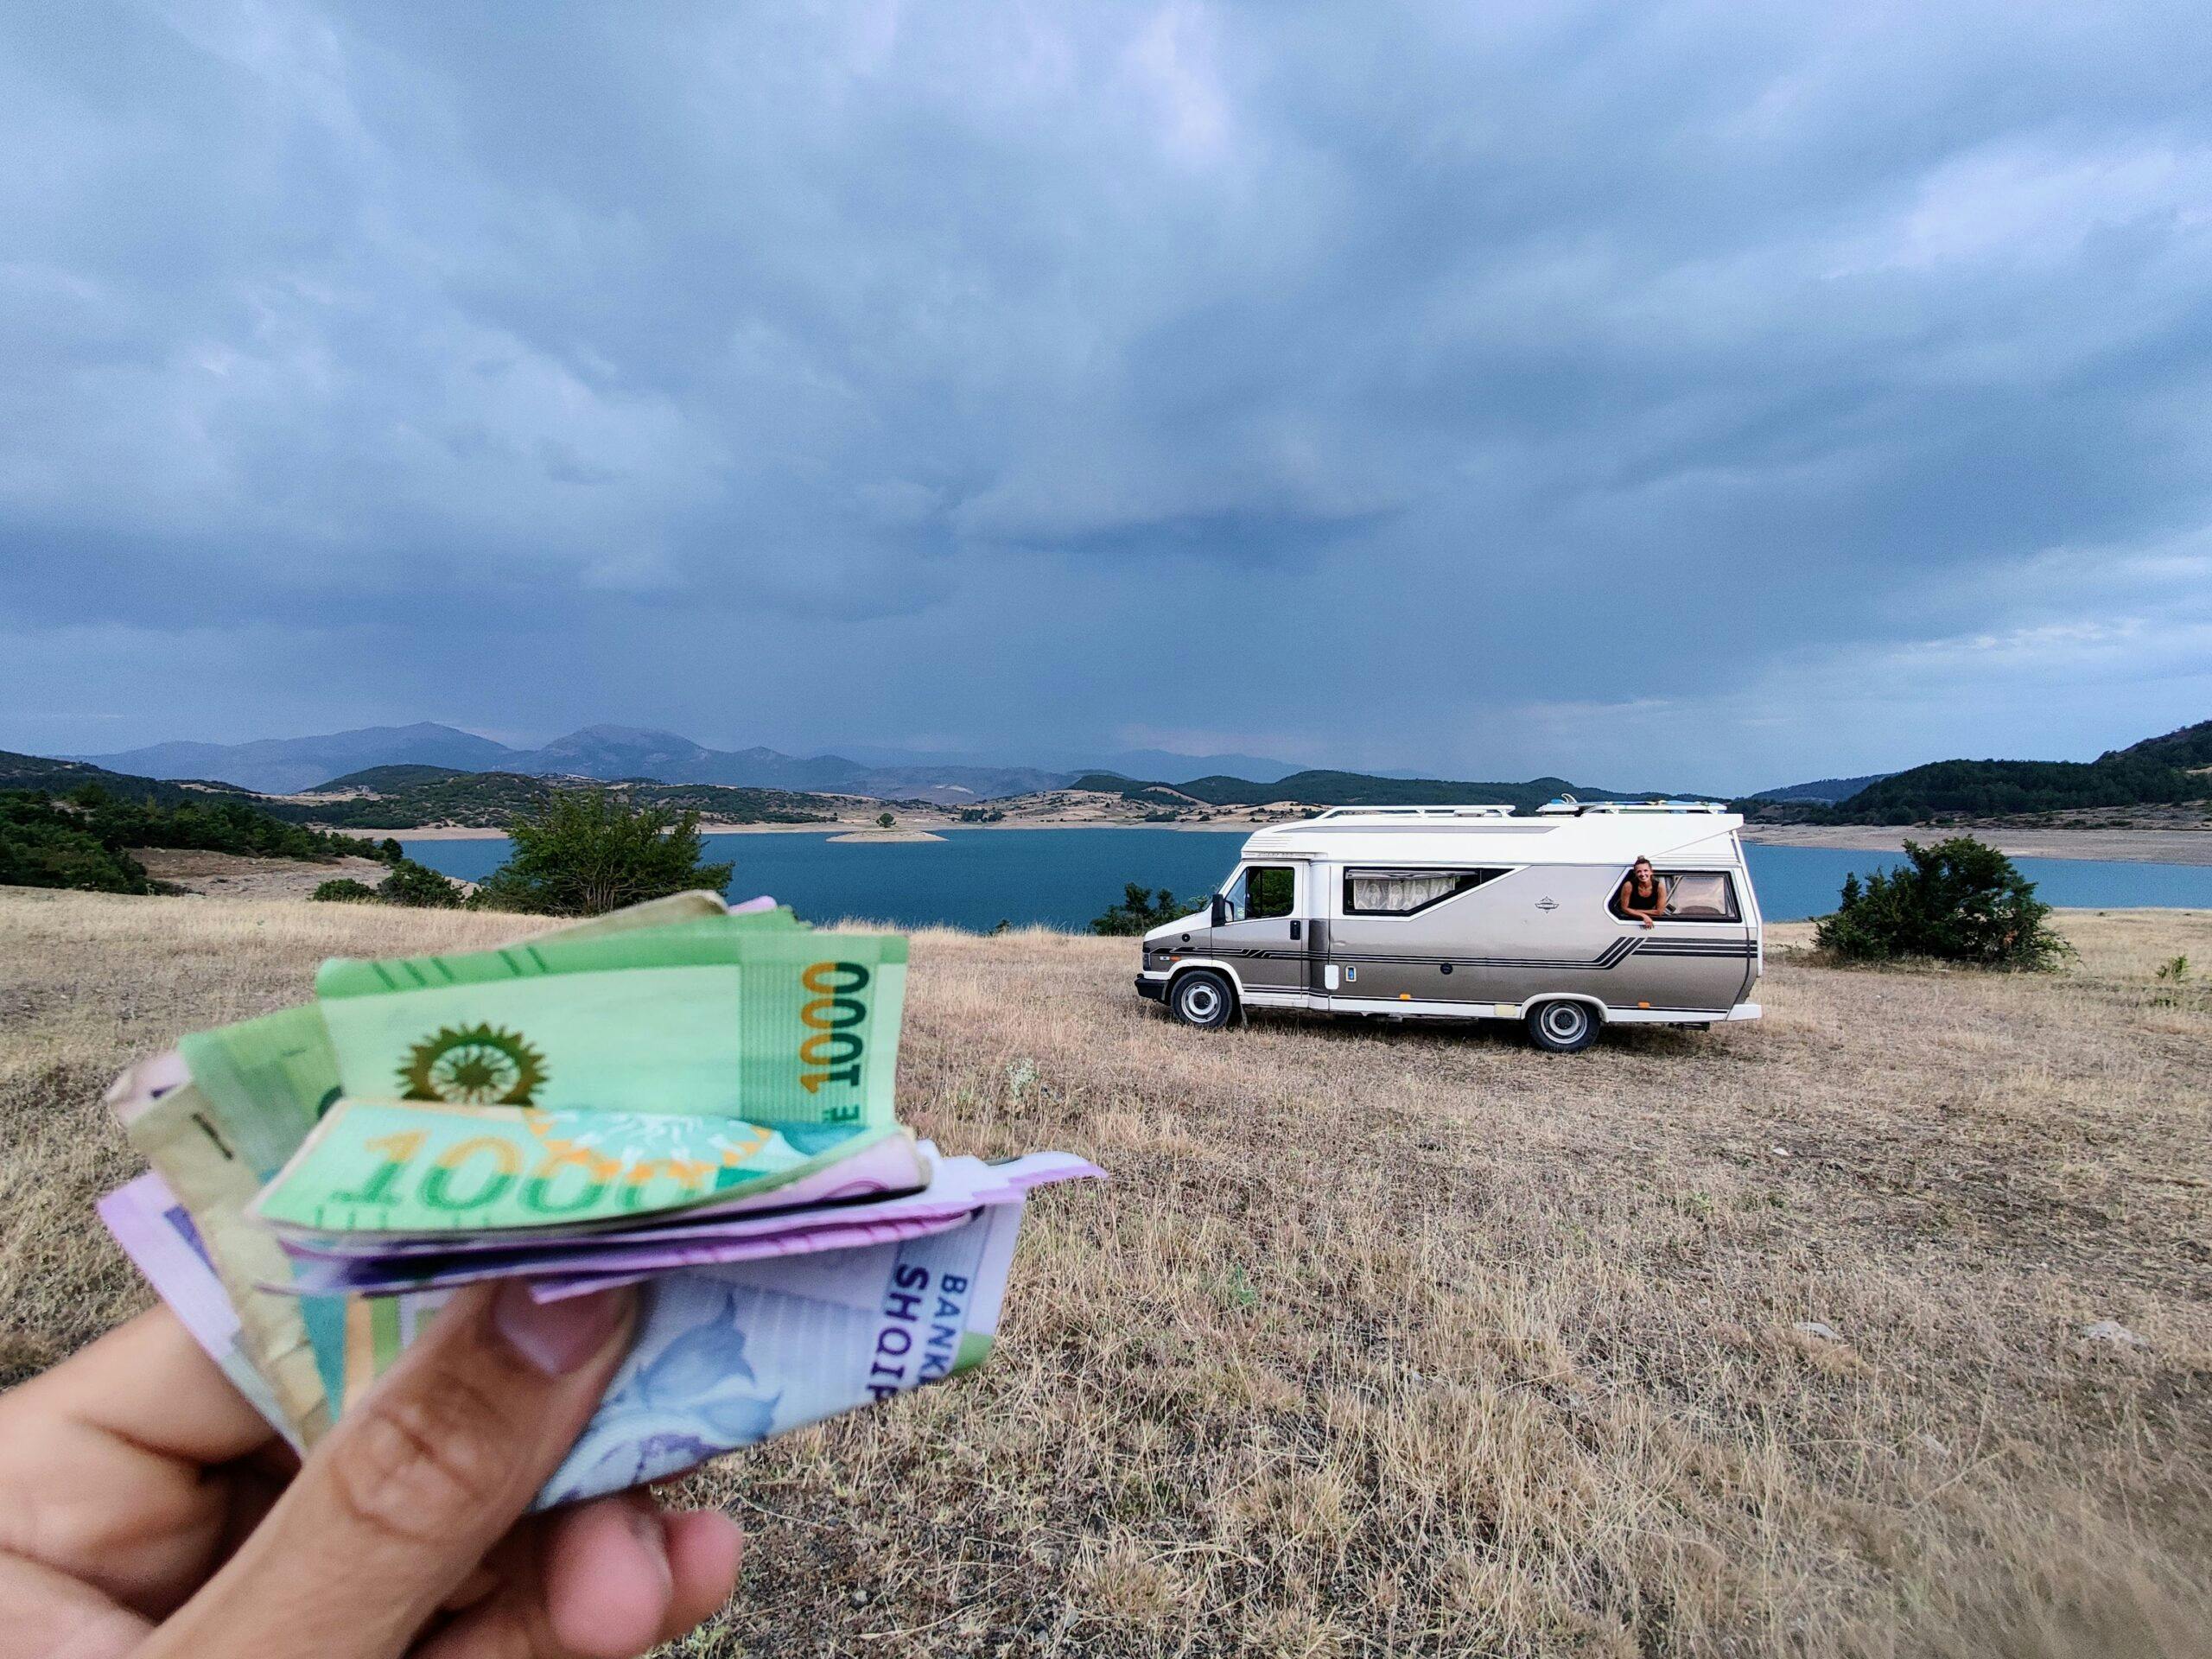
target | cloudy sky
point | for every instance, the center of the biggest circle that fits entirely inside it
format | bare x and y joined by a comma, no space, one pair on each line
1731,393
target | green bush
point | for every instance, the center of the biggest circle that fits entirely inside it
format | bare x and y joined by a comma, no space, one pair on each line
344,890
582,852
1958,900
420,885
45,846
1141,910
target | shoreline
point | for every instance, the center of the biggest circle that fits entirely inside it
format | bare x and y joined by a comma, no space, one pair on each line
2183,847
930,828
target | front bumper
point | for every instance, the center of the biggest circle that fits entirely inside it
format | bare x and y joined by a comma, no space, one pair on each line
1152,990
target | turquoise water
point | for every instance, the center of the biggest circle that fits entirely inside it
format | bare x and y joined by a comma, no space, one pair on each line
978,878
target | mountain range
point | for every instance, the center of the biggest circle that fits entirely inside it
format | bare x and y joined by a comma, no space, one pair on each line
285,766
2176,766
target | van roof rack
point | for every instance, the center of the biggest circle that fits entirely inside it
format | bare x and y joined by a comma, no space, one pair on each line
1567,807
1414,812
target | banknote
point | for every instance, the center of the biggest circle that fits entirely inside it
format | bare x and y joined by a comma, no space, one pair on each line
571,1266
888,1166
732,1015
156,1232
728,1355
182,1133
598,1270
404,1167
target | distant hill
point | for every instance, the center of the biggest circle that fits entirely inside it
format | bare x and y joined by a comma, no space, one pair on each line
279,766
1130,763
405,799
287,765
2189,748
1315,788
64,777
2158,771
1828,790
385,779
402,798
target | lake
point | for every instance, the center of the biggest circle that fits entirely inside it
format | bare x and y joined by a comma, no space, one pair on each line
976,878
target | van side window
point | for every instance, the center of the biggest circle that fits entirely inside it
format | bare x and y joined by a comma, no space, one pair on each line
1263,890
1701,896
1692,896
1407,893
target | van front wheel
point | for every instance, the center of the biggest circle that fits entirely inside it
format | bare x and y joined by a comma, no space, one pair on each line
1563,1027
1202,999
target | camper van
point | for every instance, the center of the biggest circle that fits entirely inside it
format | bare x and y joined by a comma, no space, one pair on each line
1473,912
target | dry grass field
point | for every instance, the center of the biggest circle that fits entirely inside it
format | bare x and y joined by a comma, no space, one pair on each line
1396,1340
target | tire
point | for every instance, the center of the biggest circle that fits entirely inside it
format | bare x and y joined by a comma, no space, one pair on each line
1202,999
1562,1026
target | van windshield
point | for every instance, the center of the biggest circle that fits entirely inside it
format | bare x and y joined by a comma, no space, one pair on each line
1260,891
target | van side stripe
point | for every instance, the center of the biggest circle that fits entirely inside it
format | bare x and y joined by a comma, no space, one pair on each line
1613,956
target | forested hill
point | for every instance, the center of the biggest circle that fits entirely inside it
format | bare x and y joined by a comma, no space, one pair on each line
67,777
400,797
406,796
1352,789
2158,771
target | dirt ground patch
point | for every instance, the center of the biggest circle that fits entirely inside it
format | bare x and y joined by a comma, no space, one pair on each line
1386,1339
232,875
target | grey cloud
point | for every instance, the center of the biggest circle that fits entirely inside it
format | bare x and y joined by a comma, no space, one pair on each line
1579,357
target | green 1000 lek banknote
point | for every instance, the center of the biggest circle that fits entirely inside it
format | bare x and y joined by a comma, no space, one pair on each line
399,1168
735,1016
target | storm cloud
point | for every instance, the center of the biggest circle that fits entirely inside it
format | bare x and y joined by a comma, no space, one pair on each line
1789,390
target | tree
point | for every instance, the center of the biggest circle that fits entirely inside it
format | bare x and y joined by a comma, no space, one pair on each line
584,851
884,820
1140,911
344,889
1958,900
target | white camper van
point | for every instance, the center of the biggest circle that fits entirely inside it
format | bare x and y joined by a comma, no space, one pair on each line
1471,913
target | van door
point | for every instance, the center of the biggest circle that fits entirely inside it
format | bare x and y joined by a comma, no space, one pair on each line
1263,934
1698,956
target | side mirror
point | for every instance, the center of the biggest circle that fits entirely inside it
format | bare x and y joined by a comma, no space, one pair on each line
1220,910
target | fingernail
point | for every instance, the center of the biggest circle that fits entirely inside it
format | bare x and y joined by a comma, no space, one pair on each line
557,1338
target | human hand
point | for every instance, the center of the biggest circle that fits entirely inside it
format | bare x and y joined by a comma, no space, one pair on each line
1647,921
146,1509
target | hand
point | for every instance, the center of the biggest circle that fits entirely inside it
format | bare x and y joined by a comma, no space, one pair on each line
1647,921
145,1508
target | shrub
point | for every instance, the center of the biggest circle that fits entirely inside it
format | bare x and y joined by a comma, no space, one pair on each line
420,885
344,890
1140,911
582,852
1958,900
884,820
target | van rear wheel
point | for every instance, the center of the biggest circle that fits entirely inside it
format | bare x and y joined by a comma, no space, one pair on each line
1202,999
1563,1027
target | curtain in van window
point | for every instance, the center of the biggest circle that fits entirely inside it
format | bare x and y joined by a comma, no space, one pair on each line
1702,897
1396,892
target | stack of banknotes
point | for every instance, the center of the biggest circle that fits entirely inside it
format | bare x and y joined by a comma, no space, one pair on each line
683,1095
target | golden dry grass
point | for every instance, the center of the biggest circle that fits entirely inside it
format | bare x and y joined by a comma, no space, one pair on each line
1398,1340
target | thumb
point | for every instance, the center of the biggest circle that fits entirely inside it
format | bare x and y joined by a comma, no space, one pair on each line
397,1505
